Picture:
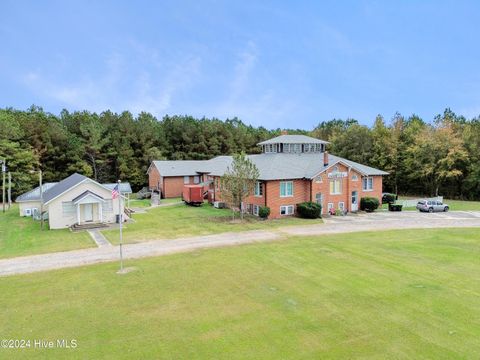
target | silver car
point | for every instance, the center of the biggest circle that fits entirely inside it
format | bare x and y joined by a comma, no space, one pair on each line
431,206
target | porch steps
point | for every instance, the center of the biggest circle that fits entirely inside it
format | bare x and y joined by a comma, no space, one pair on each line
77,227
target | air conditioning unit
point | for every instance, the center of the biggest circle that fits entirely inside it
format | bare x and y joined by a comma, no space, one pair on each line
218,204
27,212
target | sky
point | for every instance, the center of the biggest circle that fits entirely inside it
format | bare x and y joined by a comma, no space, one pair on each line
277,64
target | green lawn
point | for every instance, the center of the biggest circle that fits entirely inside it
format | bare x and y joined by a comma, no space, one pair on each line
182,220
21,236
383,295
139,203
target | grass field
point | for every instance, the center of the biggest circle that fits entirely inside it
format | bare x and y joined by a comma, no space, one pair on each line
22,236
384,295
146,202
182,220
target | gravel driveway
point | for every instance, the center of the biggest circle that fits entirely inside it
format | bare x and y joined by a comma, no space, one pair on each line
332,225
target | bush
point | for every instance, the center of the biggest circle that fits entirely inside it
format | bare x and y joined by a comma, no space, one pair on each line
369,204
388,198
263,212
309,210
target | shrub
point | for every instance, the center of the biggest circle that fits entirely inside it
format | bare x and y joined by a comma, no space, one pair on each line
369,204
388,198
309,210
263,212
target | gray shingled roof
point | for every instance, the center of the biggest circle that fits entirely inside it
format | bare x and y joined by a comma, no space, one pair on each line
63,186
293,139
125,187
34,194
281,166
178,167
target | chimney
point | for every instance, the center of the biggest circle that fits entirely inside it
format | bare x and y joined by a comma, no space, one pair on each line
325,158
284,132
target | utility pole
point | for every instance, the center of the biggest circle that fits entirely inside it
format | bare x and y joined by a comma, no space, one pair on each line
4,169
9,190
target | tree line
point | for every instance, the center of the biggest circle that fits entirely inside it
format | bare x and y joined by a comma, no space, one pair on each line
427,158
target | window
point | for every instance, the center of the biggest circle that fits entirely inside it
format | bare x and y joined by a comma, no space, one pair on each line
297,148
341,205
319,198
286,188
330,206
270,148
286,210
367,184
258,189
256,208
68,208
319,179
186,179
354,177
196,179
335,169
335,187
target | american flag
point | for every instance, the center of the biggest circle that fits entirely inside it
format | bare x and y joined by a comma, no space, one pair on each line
115,192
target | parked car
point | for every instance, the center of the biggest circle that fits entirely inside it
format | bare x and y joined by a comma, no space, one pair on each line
431,206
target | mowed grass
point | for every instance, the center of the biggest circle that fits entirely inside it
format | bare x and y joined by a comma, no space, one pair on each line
381,295
21,236
182,220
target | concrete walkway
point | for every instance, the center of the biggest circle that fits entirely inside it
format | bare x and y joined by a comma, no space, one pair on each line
98,237
334,225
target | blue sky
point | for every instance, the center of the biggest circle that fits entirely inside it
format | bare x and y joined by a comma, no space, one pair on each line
276,64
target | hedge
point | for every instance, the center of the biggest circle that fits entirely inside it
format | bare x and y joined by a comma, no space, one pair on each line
369,204
309,210
263,212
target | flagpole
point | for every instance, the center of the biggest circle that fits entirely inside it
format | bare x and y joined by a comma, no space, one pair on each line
120,220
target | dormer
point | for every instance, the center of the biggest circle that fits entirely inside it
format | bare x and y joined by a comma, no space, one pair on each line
293,144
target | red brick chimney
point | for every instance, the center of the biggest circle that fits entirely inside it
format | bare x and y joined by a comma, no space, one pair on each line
284,132
325,158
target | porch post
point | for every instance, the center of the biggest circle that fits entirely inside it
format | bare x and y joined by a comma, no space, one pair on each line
78,214
100,211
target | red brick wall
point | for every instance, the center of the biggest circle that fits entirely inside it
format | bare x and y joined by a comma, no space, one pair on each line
305,190
301,193
154,179
173,185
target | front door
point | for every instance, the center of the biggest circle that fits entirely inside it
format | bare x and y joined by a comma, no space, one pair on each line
354,201
87,212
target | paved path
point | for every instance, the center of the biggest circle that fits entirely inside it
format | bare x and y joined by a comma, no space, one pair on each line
353,223
98,237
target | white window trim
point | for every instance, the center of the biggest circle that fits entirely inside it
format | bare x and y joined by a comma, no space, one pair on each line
186,180
343,205
286,210
339,191
196,179
330,206
286,187
256,210
366,178
259,187
354,177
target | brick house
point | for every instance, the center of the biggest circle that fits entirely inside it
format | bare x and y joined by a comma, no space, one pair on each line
295,169
168,176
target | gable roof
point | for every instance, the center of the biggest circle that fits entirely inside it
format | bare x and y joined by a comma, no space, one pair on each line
178,167
85,194
293,139
63,186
